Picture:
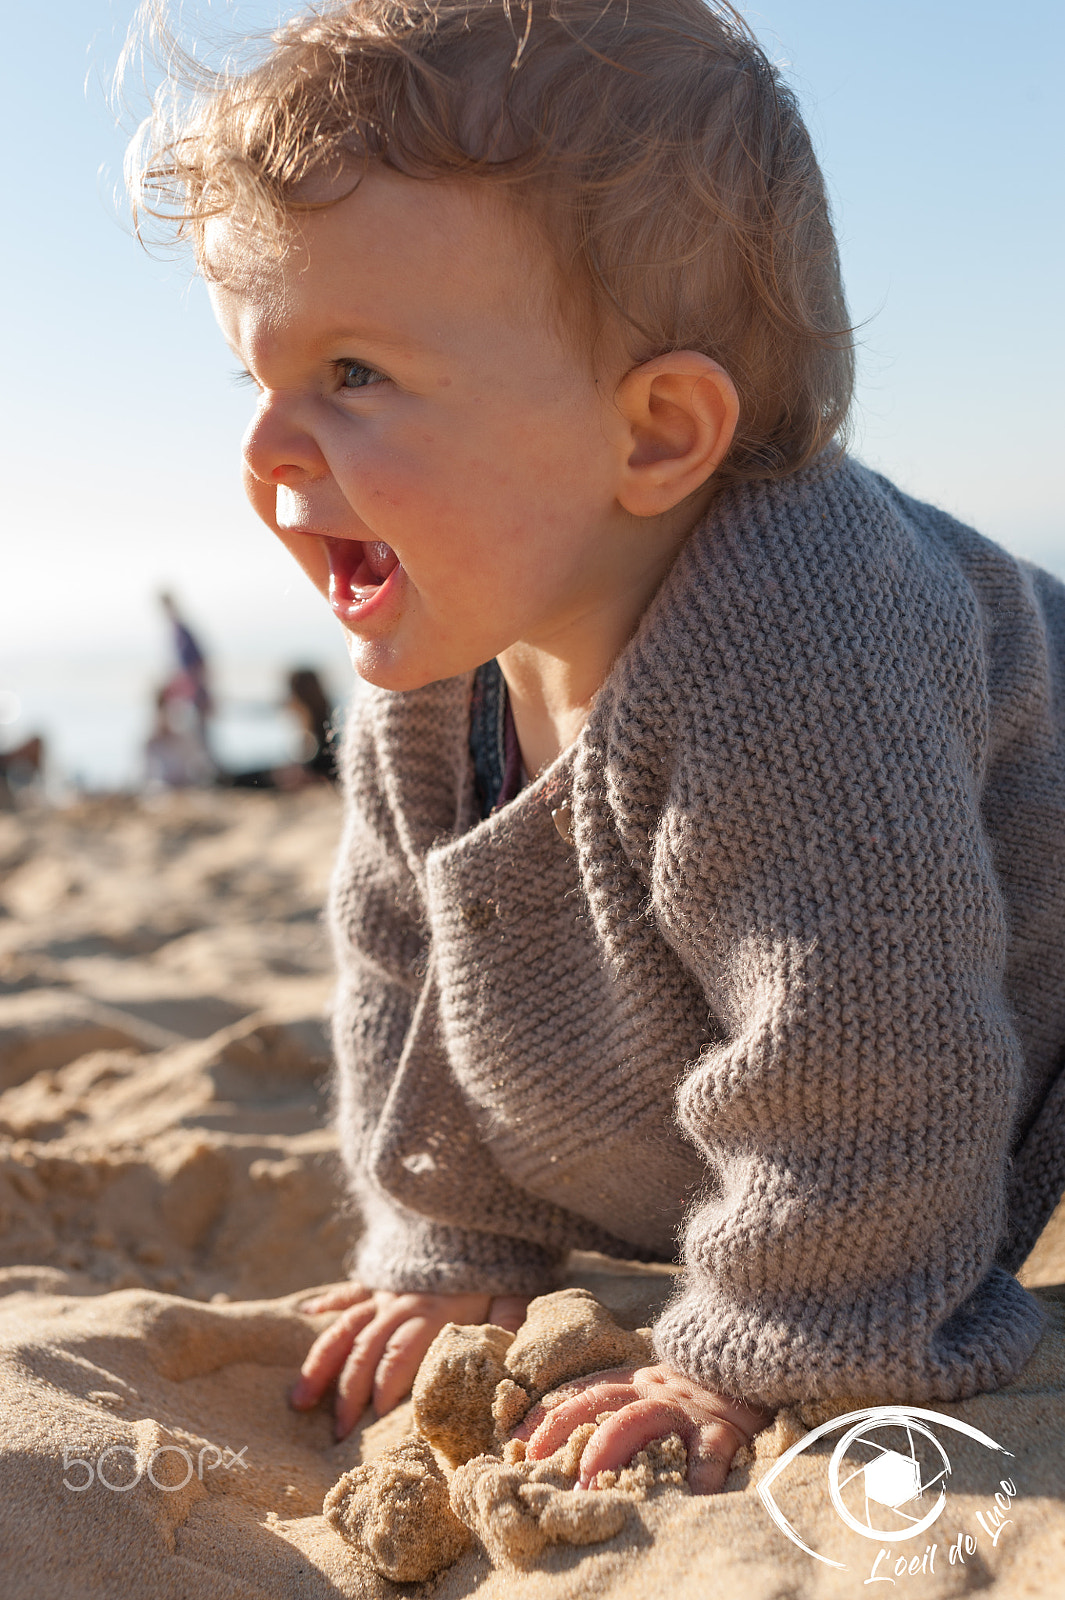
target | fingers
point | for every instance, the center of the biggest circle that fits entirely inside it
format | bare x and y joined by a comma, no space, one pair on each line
348,1353
701,1406
376,1344
711,1445
554,1427
508,1311
414,1323
633,1406
399,1363
327,1355
710,1452
355,1385
336,1298
394,1341
528,1426
628,1430
553,1402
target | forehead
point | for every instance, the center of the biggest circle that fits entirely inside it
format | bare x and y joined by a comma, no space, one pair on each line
416,261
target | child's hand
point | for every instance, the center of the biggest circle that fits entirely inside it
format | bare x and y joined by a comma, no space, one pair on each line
634,1405
376,1345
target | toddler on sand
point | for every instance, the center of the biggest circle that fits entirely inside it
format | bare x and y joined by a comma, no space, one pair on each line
702,890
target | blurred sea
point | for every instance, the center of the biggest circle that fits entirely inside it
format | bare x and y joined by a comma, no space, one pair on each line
96,713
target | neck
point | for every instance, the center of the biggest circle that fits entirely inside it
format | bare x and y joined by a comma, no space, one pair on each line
551,685
548,701
551,682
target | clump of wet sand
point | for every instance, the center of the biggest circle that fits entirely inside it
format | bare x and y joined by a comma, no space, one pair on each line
398,1510
474,1386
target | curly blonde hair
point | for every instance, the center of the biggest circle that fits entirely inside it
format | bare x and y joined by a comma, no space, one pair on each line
654,145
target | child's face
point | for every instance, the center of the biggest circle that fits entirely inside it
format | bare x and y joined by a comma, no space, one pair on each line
418,406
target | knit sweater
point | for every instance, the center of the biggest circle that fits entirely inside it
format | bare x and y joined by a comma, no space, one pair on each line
789,1001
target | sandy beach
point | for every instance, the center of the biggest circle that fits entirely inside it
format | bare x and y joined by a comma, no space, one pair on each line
168,1194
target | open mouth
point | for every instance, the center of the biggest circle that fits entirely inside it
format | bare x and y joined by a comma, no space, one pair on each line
358,571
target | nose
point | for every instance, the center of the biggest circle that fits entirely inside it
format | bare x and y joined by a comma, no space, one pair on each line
277,449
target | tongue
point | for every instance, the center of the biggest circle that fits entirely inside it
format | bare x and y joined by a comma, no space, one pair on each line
379,560
357,569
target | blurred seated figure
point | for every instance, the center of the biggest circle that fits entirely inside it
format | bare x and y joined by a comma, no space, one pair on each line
316,763
176,756
19,768
309,702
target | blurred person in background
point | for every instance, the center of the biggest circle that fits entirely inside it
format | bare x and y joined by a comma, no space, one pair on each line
191,680
20,768
308,702
175,755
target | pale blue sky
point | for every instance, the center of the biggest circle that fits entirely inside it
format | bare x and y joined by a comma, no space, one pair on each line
937,126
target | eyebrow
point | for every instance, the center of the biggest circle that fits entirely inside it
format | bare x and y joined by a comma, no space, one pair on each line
356,333
354,336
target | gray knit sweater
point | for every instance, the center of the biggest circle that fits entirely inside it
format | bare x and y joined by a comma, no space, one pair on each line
792,999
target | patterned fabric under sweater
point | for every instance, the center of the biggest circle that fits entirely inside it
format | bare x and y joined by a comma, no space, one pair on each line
790,999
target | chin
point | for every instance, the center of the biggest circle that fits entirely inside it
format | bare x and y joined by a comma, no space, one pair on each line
375,663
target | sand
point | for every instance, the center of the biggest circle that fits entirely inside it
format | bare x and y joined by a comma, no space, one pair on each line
168,1193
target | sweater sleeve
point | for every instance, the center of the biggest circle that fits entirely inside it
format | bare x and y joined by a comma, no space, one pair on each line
820,866
389,1064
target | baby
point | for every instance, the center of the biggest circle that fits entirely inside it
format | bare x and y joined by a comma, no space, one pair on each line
702,891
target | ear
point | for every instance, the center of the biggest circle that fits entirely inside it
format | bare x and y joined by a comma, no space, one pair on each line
681,410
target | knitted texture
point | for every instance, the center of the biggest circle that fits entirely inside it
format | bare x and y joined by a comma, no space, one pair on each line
794,996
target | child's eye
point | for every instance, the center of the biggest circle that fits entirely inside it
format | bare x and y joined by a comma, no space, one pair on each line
356,375
243,377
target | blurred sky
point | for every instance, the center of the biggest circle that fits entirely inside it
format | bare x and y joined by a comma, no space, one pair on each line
935,124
